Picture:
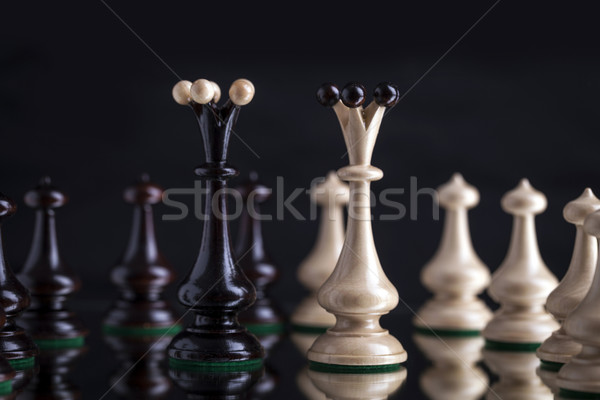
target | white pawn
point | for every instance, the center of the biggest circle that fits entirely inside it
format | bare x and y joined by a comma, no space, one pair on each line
455,374
332,195
455,275
522,282
559,348
581,376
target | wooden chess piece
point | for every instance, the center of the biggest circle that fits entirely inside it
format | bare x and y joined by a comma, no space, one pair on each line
358,292
53,381
142,273
48,277
516,371
263,317
522,282
349,386
310,318
580,377
215,289
7,374
455,374
140,373
16,345
559,348
456,275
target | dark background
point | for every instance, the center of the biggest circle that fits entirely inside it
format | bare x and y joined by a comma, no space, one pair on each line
84,100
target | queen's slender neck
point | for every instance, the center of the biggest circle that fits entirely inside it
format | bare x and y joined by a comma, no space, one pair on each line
215,222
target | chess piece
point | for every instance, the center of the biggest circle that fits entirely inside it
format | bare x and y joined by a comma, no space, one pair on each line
455,275
522,282
48,277
142,273
559,348
140,373
215,289
580,377
455,374
263,317
16,345
7,374
358,292
348,386
310,318
517,376
53,381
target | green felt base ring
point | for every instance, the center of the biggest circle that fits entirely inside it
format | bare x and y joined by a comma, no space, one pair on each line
550,366
573,394
309,330
55,344
203,366
505,346
5,387
132,331
446,332
265,329
353,369
20,364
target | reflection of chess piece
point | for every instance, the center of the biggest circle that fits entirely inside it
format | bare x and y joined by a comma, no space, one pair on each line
580,377
215,288
455,274
269,380
357,292
342,386
523,282
310,318
202,384
263,317
455,374
517,377
559,348
142,273
52,381
140,374
307,387
6,372
549,378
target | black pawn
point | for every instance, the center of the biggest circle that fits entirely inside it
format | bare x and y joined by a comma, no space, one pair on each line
16,345
49,279
142,273
263,317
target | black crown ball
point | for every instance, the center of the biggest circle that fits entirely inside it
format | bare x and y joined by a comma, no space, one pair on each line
386,94
328,95
353,95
